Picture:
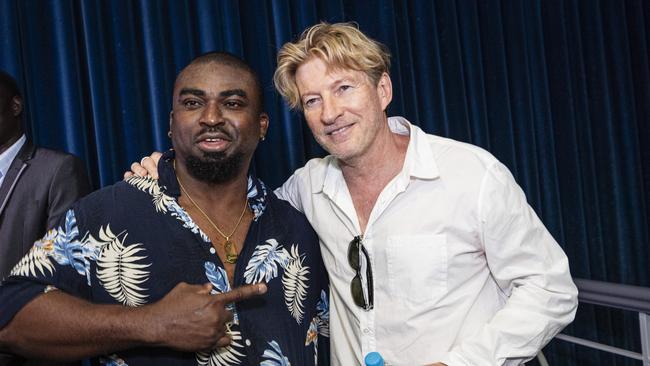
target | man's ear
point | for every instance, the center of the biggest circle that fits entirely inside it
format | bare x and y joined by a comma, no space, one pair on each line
385,90
264,124
16,106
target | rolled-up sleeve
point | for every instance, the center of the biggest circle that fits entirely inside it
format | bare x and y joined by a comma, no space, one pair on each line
529,267
54,262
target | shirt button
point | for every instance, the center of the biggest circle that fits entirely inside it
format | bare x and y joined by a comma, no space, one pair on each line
212,250
366,331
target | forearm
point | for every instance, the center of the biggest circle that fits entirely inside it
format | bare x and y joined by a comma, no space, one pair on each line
530,318
58,326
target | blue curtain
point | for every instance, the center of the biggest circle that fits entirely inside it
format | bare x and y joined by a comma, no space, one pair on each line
557,90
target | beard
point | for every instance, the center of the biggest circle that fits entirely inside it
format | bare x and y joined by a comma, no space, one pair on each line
215,167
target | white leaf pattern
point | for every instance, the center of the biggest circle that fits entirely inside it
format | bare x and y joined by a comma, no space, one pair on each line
223,356
274,356
263,265
118,269
178,212
37,258
149,185
295,285
112,360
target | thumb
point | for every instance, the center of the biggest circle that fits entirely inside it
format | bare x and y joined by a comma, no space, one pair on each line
205,289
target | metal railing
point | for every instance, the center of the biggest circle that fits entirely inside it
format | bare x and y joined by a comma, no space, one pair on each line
617,296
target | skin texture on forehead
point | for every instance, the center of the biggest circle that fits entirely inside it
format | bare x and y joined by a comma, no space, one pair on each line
227,72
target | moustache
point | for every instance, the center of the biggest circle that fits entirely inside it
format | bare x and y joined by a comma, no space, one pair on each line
215,132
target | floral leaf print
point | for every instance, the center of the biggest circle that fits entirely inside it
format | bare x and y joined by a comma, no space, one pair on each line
223,356
178,212
217,276
119,270
112,360
256,200
323,316
294,282
251,190
274,356
219,280
149,185
312,337
70,251
312,333
263,265
37,258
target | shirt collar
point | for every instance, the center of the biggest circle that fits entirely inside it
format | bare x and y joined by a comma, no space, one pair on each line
419,162
256,190
9,155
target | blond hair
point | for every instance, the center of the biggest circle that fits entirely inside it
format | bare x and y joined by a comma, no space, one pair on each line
339,45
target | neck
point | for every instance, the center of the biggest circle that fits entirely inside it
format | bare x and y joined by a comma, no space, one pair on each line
380,163
214,196
7,143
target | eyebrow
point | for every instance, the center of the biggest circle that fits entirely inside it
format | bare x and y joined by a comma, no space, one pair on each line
223,94
230,92
197,92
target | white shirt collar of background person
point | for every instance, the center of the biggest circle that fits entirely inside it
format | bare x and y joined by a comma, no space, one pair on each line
464,271
8,156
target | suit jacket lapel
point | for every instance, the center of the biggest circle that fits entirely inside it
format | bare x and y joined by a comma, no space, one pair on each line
18,166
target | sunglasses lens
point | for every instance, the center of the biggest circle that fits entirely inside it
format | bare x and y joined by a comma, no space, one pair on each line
353,254
357,292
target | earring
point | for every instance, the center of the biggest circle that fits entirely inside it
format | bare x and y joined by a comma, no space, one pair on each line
262,138
169,134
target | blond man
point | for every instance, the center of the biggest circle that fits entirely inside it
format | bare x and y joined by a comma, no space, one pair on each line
434,255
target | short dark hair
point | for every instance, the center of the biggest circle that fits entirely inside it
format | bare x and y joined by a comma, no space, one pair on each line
228,59
8,85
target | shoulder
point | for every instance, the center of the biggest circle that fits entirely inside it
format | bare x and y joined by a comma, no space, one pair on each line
49,155
313,171
291,221
47,160
460,159
446,149
281,208
121,197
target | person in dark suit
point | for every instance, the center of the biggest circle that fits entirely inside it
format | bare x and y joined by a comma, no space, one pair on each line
37,185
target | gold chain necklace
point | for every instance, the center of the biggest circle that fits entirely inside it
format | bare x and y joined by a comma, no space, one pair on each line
228,246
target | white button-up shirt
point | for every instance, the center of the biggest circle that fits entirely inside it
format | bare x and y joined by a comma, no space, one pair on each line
464,271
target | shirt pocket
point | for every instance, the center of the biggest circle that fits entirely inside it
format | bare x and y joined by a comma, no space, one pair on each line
417,267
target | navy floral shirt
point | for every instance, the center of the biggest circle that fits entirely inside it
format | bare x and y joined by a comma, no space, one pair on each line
131,243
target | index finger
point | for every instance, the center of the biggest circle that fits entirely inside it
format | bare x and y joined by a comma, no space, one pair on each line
242,293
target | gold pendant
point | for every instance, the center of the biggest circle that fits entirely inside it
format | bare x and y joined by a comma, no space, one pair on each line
231,253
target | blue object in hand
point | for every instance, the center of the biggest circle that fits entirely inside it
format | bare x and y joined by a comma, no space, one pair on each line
374,359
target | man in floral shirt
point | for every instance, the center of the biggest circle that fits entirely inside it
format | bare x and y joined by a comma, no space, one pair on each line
200,267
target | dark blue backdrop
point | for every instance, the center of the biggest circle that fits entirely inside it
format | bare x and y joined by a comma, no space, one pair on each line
558,90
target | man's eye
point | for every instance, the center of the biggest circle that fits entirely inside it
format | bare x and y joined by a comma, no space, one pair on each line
344,87
191,104
233,104
310,102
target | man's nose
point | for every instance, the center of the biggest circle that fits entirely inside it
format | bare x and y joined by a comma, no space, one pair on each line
331,110
211,114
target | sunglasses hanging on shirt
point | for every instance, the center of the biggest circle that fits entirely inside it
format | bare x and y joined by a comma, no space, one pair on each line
362,292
